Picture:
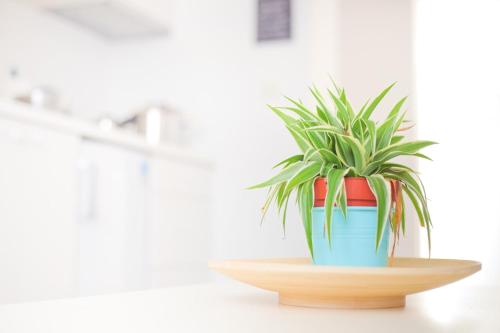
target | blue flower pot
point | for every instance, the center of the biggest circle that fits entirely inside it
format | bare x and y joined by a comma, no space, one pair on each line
352,239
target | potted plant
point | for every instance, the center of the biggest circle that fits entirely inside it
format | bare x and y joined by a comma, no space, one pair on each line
346,183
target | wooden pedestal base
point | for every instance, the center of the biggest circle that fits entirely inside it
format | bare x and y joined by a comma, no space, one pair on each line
336,302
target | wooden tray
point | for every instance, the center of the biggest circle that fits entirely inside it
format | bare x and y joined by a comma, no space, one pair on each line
300,283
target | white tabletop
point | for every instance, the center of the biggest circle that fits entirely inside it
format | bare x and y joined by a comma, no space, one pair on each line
231,307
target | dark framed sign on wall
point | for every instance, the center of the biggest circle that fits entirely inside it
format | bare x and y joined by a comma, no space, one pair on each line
273,20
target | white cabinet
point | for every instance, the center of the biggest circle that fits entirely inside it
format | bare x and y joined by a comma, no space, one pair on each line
82,216
112,219
38,235
179,222
144,221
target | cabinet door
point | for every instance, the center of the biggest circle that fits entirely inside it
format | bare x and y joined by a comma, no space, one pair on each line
38,239
112,219
179,225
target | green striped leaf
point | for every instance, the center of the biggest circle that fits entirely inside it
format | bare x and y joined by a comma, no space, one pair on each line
406,148
292,159
380,187
395,167
386,131
396,139
321,104
342,112
358,152
305,200
330,157
342,200
415,204
325,129
267,203
335,181
300,138
304,174
424,221
305,115
420,155
285,208
371,107
303,112
403,218
284,175
345,101
395,110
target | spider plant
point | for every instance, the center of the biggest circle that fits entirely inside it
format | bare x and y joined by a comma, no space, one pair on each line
336,141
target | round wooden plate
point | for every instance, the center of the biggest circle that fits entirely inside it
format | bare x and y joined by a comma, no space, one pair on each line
300,283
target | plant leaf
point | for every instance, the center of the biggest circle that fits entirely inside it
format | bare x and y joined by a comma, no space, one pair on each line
267,203
425,157
290,160
285,205
303,112
345,101
396,139
358,152
323,110
305,198
291,124
415,204
342,112
421,215
406,148
372,137
342,200
370,108
326,128
304,174
284,175
403,216
335,181
395,110
330,157
381,190
301,140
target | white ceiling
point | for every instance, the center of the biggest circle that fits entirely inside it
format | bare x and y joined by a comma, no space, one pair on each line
113,19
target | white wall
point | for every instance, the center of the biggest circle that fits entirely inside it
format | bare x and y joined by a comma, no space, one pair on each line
376,47
211,66
459,102
49,51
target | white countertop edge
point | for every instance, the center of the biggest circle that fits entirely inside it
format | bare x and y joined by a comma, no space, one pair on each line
233,307
59,122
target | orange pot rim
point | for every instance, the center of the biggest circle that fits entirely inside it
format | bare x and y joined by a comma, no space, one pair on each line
358,192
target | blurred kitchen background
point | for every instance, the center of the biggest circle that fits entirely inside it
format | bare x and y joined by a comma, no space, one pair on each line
129,129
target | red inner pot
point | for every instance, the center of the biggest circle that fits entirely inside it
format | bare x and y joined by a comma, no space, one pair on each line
357,190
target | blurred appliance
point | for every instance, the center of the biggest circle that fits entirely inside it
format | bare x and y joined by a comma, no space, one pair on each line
112,19
112,219
42,96
158,124
18,88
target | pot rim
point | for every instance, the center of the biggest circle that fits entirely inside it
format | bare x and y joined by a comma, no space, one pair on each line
356,177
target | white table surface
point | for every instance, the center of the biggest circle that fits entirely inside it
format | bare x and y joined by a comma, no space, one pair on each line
232,307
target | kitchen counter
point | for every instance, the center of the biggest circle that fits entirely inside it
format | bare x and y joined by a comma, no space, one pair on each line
54,120
232,307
